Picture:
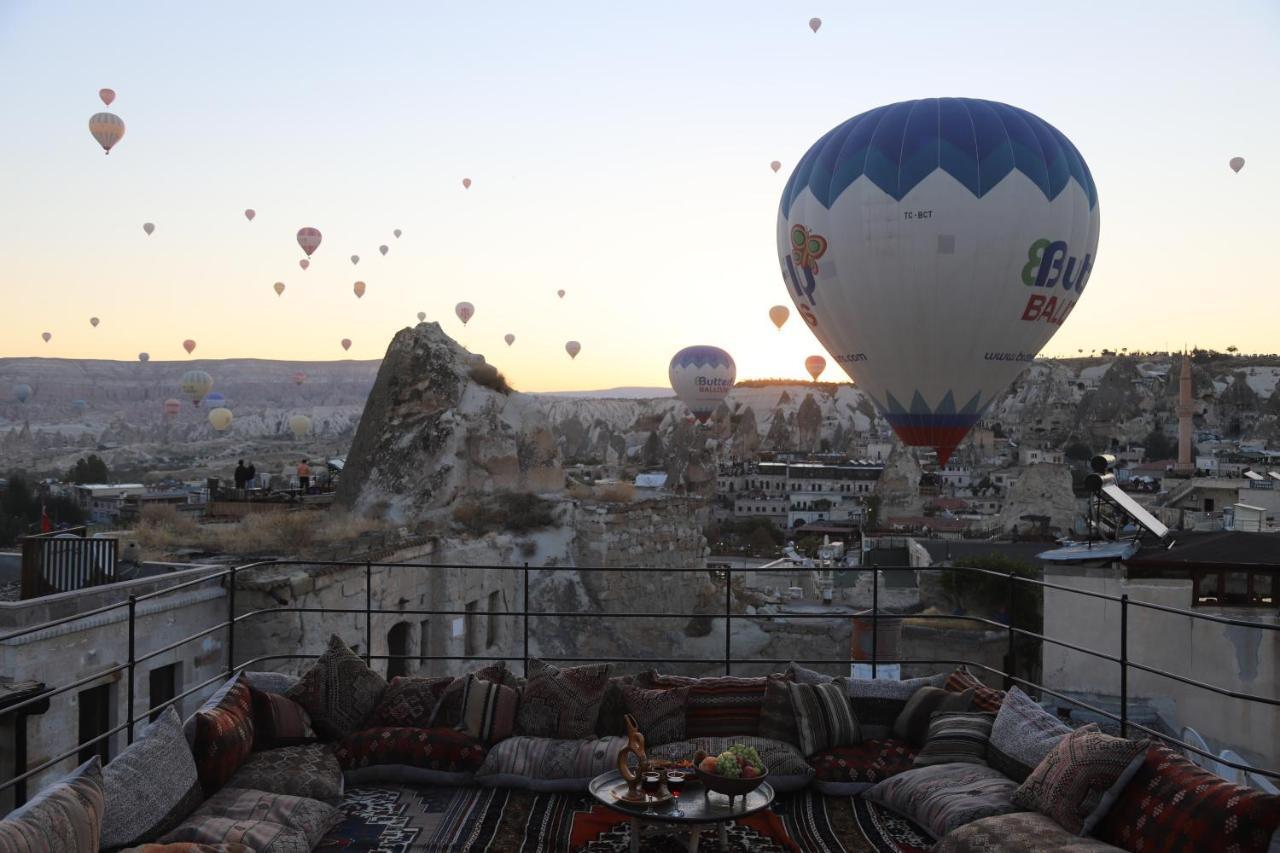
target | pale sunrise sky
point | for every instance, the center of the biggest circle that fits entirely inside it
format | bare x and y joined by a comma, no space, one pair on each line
620,152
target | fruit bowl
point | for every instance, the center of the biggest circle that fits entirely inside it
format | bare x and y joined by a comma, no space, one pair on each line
729,786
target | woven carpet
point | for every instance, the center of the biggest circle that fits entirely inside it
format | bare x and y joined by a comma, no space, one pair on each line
400,819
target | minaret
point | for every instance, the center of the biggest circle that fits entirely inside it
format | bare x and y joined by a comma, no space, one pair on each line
1185,409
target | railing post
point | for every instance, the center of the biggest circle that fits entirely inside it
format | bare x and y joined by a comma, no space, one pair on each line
231,622
1124,664
875,618
728,620
133,624
368,611
526,620
1011,657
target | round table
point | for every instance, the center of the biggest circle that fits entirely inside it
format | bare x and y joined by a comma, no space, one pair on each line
703,809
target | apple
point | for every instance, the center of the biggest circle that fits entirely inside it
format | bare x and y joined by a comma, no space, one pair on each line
708,764
749,772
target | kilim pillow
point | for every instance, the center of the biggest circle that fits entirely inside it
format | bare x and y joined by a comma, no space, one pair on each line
1022,735
984,698
279,721
804,675
777,719
562,703
823,717
719,706
151,786
1172,805
956,737
659,713
66,817
267,823
1080,778
448,711
912,723
488,710
409,701
613,708
946,796
188,847
223,736
338,691
878,702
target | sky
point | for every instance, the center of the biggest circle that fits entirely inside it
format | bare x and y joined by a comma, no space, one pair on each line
618,152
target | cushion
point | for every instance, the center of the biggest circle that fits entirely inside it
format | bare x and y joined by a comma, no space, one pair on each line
270,682
719,706
823,717
408,701
267,823
956,737
1171,804
945,796
1017,832
788,771
1022,735
777,719
912,723
338,690
804,675
279,721
984,698
223,735
151,786
441,754
849,770
659,713
548,764
1080,778
188,847
878,702
562,703
449,710
309,770
613,708
66,817
488,710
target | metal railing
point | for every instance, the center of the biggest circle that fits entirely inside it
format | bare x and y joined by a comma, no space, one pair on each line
1008,672
66,560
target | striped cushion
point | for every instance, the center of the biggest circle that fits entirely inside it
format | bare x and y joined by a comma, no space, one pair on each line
878,702
549,764
63,818
488,710
224,736
823,717
279,721
720,706
984,698
957,738
912,724
777,719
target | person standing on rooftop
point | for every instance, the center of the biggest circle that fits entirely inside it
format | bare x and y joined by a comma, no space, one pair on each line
304,477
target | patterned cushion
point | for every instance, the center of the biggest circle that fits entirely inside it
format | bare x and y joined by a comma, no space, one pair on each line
562,703
279,721
984,698
957,737
850,769
720,706
613,708
223,736
409,701
912,723
547,764
804,675
878,702
66,817
310,770
442,749
188,847
338,691
270,682
1171,804
488,710
777,719
944,797
151,786
788,771
658,713
823,717
1018,831
267,823
1022,735
449,711
1080,778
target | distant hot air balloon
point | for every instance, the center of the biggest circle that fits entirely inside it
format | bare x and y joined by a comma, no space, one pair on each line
466,183
195,385
21,392
1236,163
214,400
358,287
189,345
220,418
249,213
79,406
465,311
934,247
172,407
815,364
148,227
300,425
384,248
309,240
93,321
560,293
779,314
355,259
299,377
702,377
278,287
304,263
573,348
815,24
46,336
144,357
509,338
397,232
107,95
346,343
107,128
775,165
422,316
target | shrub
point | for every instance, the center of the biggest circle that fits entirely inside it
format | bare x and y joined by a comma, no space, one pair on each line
490,377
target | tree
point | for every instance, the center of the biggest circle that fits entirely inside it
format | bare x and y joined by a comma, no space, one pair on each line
91,470
1159,446
762,544
1078,451
20,506
652,452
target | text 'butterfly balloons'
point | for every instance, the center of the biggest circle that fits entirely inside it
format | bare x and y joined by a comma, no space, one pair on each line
702,376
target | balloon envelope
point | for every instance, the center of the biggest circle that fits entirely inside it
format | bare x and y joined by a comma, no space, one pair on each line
21,392
346,343
278,287
300,425
304,263
775,165
933,247
358,288
195,385
215,399
422,316
144,357
107,95
573,348
560,293
250,213
465,311
397,232
1237,163
355,259
702,376
815,364
309,240
148,227
509,338
815,24
172,407
220,418
299,377
466,183
779,314
107,129
384,248
93,321
46,336
189,345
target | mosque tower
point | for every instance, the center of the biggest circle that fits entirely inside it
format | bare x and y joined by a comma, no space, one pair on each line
1185,409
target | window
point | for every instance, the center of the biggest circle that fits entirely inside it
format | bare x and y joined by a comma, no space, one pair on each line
1263,593
95,719
471,629
491,624
1235,589
398,650
163,687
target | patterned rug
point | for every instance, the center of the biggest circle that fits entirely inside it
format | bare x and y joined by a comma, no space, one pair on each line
401,819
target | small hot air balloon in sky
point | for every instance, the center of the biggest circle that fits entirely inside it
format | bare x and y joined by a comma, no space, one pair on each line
172,407
1237,163
249,213
220,418
346,343
358,288
573,348
384,248
775,165
560,293
779,314
422,316
107,95
21,392
397,232
93,321
509,338
304,263
355,259
107,128
466,183
144,357
465,311
299,377
309,240
300,425
215,399
195,384
815,364
815,24
189,345
702,377
148,227
79,406
46,336
278,287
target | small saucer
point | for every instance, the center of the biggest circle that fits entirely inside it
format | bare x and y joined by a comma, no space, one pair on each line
622,794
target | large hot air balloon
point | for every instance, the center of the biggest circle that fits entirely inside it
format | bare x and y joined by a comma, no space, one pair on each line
815,24
93,321
249,213
149,228
573,348
702,376
346,343
560,293
21,392
358,288
107,128
172,407
466,183
465,311
47,336
144,357
213,400
299,377
309,240
107,95
304,263
397,232
509,338
934,247
775,165
422,316
195,385
814,365
220,418
278,287
1236,164
355,259
384,248
779,314
300,425
189,345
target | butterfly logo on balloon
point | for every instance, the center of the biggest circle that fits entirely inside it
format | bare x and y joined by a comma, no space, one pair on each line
807,248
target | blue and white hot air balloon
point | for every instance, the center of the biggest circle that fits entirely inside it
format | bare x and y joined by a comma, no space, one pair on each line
702,377
21,392
934,247
214,400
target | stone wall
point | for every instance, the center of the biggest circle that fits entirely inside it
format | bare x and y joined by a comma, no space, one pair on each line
660,533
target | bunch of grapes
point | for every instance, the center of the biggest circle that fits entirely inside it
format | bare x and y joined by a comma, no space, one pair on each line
727,765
